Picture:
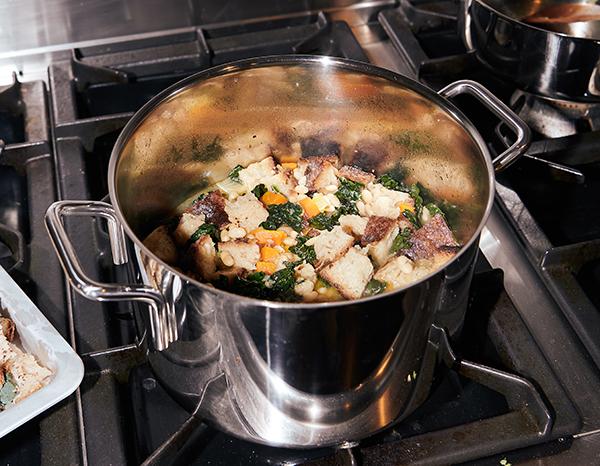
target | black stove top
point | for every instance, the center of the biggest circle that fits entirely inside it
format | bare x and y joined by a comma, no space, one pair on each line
502,395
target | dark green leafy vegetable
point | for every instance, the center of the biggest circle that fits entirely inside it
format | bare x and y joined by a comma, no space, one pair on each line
348,193
206,229
374,287
401,241
259,190
434,210
325,221
412,218
393,179
415,193
279,286
8,391
282,283
234,175
304,251
283,214
207,151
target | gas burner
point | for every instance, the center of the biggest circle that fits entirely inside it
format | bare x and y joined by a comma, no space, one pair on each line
555,118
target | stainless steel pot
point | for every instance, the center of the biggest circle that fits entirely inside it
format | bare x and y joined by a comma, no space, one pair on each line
296,375
560,60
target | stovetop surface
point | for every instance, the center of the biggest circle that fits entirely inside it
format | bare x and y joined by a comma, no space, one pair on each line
59,136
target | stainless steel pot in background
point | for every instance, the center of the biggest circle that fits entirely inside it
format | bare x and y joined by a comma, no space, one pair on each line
559,60
296,375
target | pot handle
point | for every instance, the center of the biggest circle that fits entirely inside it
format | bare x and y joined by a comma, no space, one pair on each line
498,108
90,288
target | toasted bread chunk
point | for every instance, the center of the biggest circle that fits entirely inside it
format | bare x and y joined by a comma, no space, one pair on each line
7,327
397,272
188,224
319,171
329,245
204,257
377,228
349,274
242,253
161,244
354,224
431,238
212,206
356,174
380,250
28,375
246,212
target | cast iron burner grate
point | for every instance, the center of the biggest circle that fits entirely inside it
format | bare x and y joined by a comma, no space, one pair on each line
472,412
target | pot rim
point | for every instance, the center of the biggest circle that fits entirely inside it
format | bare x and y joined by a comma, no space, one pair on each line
315,60
507,17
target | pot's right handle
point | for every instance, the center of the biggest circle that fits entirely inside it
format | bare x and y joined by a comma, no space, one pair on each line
498,108
92,289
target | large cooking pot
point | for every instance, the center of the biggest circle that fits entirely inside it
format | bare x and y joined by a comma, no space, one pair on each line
295,375
554,59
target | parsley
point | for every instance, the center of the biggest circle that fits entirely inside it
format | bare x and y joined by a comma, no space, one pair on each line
374,287
324,221
206,229
401,241
234,175
259,190
283,214
348,193
303,251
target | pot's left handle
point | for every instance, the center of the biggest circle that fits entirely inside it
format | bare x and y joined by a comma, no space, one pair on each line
497,107
92,289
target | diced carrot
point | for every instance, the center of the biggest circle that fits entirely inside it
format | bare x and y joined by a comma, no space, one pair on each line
268,253
310,207
268,237
406,206
265,267
270,198
289,165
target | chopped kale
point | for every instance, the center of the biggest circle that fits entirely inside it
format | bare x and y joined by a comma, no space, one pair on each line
259,190
415,193
252,285
234,175
275,189
325,221
412,218
393,179
374,287
282,283
401,241
348,193
207,151
283,214
302,250
8,391
206,229
279,286
434,210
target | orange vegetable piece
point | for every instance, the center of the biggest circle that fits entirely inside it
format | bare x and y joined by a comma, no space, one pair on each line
288,158
268,253
310,207
270,198
289,165
268,237
265,267
406,206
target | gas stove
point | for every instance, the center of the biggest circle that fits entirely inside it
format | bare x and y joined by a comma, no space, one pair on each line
521,385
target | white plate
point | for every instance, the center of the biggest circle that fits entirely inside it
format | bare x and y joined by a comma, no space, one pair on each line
42,340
